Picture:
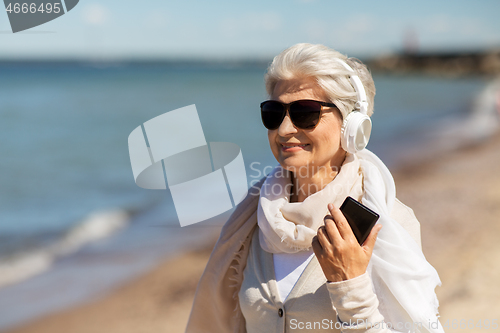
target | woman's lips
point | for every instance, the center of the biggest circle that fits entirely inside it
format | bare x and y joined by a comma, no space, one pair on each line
288,147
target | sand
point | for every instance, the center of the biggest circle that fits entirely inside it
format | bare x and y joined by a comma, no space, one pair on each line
457,200
456,197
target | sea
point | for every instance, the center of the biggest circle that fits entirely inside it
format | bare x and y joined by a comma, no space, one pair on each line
73,223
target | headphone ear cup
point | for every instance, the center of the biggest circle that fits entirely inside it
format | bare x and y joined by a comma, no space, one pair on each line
355,132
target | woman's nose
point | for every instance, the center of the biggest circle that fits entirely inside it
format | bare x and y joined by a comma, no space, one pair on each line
286,128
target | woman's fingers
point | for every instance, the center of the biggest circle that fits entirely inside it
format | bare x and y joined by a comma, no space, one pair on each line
343,227
331,229
323,238
316,246
369,243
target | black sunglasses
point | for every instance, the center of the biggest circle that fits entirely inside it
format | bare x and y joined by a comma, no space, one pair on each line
304,113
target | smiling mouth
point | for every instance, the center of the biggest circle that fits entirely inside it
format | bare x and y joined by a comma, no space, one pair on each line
293,147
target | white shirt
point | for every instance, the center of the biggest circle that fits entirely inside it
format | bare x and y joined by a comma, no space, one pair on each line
287,269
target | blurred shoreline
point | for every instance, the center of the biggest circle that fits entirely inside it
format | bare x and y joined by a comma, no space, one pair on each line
458,226
450,63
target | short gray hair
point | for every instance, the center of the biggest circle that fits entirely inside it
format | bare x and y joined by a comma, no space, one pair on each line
318,61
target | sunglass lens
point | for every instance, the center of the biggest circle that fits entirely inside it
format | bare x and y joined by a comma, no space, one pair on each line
272,114
305,114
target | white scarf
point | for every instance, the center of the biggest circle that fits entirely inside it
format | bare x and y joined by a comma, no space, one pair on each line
402,278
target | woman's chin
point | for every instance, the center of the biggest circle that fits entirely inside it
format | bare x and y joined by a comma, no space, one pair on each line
294,163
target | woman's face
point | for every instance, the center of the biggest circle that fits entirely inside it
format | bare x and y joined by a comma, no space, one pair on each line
305,151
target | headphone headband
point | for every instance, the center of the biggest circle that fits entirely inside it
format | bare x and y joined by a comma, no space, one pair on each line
362,102
357,126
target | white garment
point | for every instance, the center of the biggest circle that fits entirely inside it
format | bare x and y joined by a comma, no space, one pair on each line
400,273
277,216
288,268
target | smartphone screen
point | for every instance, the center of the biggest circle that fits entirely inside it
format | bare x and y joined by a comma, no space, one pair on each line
360,218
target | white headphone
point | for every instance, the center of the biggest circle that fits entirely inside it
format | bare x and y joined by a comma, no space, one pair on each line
357,126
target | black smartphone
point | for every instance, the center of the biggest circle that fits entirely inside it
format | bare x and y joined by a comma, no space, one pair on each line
360,218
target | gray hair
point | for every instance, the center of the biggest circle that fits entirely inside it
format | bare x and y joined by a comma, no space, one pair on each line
318,61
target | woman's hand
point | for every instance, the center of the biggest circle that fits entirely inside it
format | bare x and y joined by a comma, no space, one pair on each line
337,249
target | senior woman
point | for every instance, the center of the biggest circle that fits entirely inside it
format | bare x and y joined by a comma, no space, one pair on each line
287,260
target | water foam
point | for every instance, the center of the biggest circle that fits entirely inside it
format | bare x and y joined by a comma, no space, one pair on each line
95,226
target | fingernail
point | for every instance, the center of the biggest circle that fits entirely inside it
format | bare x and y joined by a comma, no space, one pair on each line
330,206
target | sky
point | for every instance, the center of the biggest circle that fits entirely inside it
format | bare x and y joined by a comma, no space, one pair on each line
257,29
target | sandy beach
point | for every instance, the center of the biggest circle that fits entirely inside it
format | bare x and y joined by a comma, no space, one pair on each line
456,198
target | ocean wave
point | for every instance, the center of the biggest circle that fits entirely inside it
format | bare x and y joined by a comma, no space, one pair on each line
97,225
479,124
